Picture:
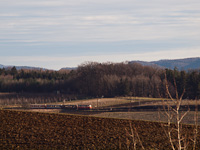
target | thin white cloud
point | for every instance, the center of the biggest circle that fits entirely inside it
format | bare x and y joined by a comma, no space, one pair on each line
135,19
40,3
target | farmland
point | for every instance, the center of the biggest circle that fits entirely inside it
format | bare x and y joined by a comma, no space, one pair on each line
33,130
136,108
107,126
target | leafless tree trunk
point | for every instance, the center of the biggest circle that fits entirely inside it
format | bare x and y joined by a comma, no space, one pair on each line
181,141
195,126
134,136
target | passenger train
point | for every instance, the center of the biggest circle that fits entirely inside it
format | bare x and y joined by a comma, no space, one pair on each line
70,107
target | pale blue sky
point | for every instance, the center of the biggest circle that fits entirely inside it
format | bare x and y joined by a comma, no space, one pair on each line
66,33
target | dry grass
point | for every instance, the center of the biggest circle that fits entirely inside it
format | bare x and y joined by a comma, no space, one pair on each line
46,110
147,115
150,116
102,102
141,115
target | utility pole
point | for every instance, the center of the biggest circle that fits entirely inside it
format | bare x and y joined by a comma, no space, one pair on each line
97,102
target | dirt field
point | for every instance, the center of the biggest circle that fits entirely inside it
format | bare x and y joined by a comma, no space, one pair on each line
33,130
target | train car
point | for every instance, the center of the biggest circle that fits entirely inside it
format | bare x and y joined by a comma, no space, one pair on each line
38,106
69,107
53,106
84,107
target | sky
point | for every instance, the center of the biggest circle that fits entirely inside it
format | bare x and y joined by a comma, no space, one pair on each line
67,33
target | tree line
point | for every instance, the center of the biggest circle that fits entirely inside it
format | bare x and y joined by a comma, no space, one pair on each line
103,79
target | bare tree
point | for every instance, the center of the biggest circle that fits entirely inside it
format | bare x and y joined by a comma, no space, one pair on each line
196,126
173,112
134,136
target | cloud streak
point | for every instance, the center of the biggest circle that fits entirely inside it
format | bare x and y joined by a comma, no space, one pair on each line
128,20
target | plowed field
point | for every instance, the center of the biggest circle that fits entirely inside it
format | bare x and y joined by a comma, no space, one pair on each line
33,130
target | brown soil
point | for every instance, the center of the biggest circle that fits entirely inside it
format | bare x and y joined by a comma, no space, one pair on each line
34,130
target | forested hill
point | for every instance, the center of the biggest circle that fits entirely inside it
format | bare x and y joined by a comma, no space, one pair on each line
180,64
22,67
107,79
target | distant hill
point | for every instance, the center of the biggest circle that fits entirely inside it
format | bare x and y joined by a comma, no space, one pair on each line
1,66
180,64
68,68
22,67
145,63
33,68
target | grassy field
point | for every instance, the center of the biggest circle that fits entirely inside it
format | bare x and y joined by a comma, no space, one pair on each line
147,116
123,102
109,102
97,102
